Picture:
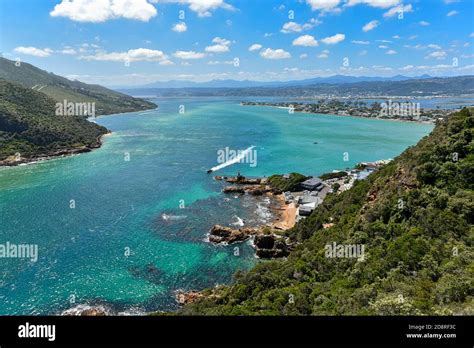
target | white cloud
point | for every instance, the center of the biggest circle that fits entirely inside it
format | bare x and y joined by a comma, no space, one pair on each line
102,10
383,47
331,40
324,54
433,46
371,25
452,13
221,45
305,40
68,50
323,5
437,55
293,27
374,3
303,56
255,47
398,9
275,54
189,55
471,35
359,42
33,51
395,36
202,7
180,27
391,52
166,62
218,62
134,55
424,23
363,53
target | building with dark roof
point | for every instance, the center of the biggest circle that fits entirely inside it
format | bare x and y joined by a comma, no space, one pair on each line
312,184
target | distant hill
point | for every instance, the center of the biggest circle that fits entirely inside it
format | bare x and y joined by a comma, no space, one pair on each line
336,79
60,88
452,86
29,127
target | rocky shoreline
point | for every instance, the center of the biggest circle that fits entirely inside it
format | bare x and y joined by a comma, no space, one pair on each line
266,239
13,161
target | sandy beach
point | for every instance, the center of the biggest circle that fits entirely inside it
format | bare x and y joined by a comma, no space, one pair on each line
287,218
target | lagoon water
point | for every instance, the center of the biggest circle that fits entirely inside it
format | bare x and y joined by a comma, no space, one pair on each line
125,225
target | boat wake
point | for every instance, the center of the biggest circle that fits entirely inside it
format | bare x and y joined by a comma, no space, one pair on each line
232,161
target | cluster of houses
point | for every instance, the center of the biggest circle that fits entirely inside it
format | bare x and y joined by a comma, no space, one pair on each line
314,190
359,108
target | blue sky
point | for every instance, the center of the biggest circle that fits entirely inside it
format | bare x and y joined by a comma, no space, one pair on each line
133,42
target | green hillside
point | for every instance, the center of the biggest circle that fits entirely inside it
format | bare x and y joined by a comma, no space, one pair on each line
415,219
29,126
60,89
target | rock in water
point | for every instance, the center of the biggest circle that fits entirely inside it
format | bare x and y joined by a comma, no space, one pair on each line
270,246
223,234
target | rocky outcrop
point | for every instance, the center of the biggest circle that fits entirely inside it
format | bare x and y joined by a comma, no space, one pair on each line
267,246
14,161
234,189
83,310
241,180
222,234
256,190
270,246
186,297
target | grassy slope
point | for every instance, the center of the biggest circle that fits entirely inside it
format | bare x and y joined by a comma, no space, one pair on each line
29,126
419,257
60,89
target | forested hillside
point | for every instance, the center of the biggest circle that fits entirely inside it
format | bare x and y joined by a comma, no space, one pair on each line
59,88
415,219
30,128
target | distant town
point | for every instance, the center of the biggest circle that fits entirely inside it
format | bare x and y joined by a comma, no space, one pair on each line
389,109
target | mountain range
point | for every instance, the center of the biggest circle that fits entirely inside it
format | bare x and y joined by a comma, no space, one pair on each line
219,83
422,86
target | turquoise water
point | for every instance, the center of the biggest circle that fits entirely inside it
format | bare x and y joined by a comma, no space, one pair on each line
119,204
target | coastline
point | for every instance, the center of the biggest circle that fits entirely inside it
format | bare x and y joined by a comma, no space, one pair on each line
333,114
13,162
286,214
